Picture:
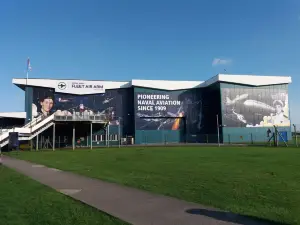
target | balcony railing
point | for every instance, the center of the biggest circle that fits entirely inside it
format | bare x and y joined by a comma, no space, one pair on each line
81,117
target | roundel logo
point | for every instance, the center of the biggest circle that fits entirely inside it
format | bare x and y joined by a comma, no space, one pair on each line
61,85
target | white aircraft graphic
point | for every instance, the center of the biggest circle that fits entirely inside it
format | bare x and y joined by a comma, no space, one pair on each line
105,110
107,100
170,120
64,99
240,117
155,118
236,99
258,105
160,118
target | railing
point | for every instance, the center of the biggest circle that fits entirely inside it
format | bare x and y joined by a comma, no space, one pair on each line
20,129
38,123
4,136
83,117
2,131
33,122
37,131
251,139
31,128
42,123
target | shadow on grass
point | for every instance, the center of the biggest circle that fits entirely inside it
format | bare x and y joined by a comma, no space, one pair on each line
231,217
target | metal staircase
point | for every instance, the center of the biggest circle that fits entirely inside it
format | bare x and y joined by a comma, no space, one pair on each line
40,124
33,122
29,130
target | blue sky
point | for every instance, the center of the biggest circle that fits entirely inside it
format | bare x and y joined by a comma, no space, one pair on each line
157,39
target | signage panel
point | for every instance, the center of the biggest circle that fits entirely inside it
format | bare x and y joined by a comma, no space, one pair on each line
79,87
168,110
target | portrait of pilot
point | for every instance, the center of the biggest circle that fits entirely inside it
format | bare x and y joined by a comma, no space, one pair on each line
279,117
46,105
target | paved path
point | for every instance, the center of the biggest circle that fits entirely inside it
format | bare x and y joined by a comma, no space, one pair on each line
134,206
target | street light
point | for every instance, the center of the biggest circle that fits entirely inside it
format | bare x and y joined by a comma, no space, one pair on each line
119,130
295,131
218,129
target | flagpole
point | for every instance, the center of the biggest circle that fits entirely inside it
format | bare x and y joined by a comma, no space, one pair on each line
26,89
27,69
26,78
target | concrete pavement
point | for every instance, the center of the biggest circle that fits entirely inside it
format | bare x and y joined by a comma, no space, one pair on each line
128,204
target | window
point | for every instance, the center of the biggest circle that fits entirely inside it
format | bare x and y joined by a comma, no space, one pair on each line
94,137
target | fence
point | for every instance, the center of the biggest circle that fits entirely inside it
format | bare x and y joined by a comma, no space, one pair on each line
251,139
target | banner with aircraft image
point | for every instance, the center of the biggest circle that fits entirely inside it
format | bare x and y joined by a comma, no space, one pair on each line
167,110
46,102
255,107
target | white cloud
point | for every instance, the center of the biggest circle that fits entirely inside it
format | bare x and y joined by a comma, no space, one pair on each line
218,61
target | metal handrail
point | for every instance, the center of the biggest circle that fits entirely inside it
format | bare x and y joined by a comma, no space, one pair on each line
33,122
84,117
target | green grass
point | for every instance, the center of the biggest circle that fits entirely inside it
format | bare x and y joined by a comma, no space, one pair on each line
26,202
262,182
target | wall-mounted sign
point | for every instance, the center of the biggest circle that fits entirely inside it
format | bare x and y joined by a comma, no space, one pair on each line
80,87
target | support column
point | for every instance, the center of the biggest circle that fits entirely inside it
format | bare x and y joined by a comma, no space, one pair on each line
41,141
53,141
31,145
108,135
37,143
28,103
73,139
91,135
119,132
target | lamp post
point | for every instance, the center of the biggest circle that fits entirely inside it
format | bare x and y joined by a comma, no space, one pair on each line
119,131
295,131
218,129
0,142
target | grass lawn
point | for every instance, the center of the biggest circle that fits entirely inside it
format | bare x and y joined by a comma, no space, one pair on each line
26,202
262,182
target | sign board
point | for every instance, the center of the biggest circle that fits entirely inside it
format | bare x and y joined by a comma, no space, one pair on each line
79,87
